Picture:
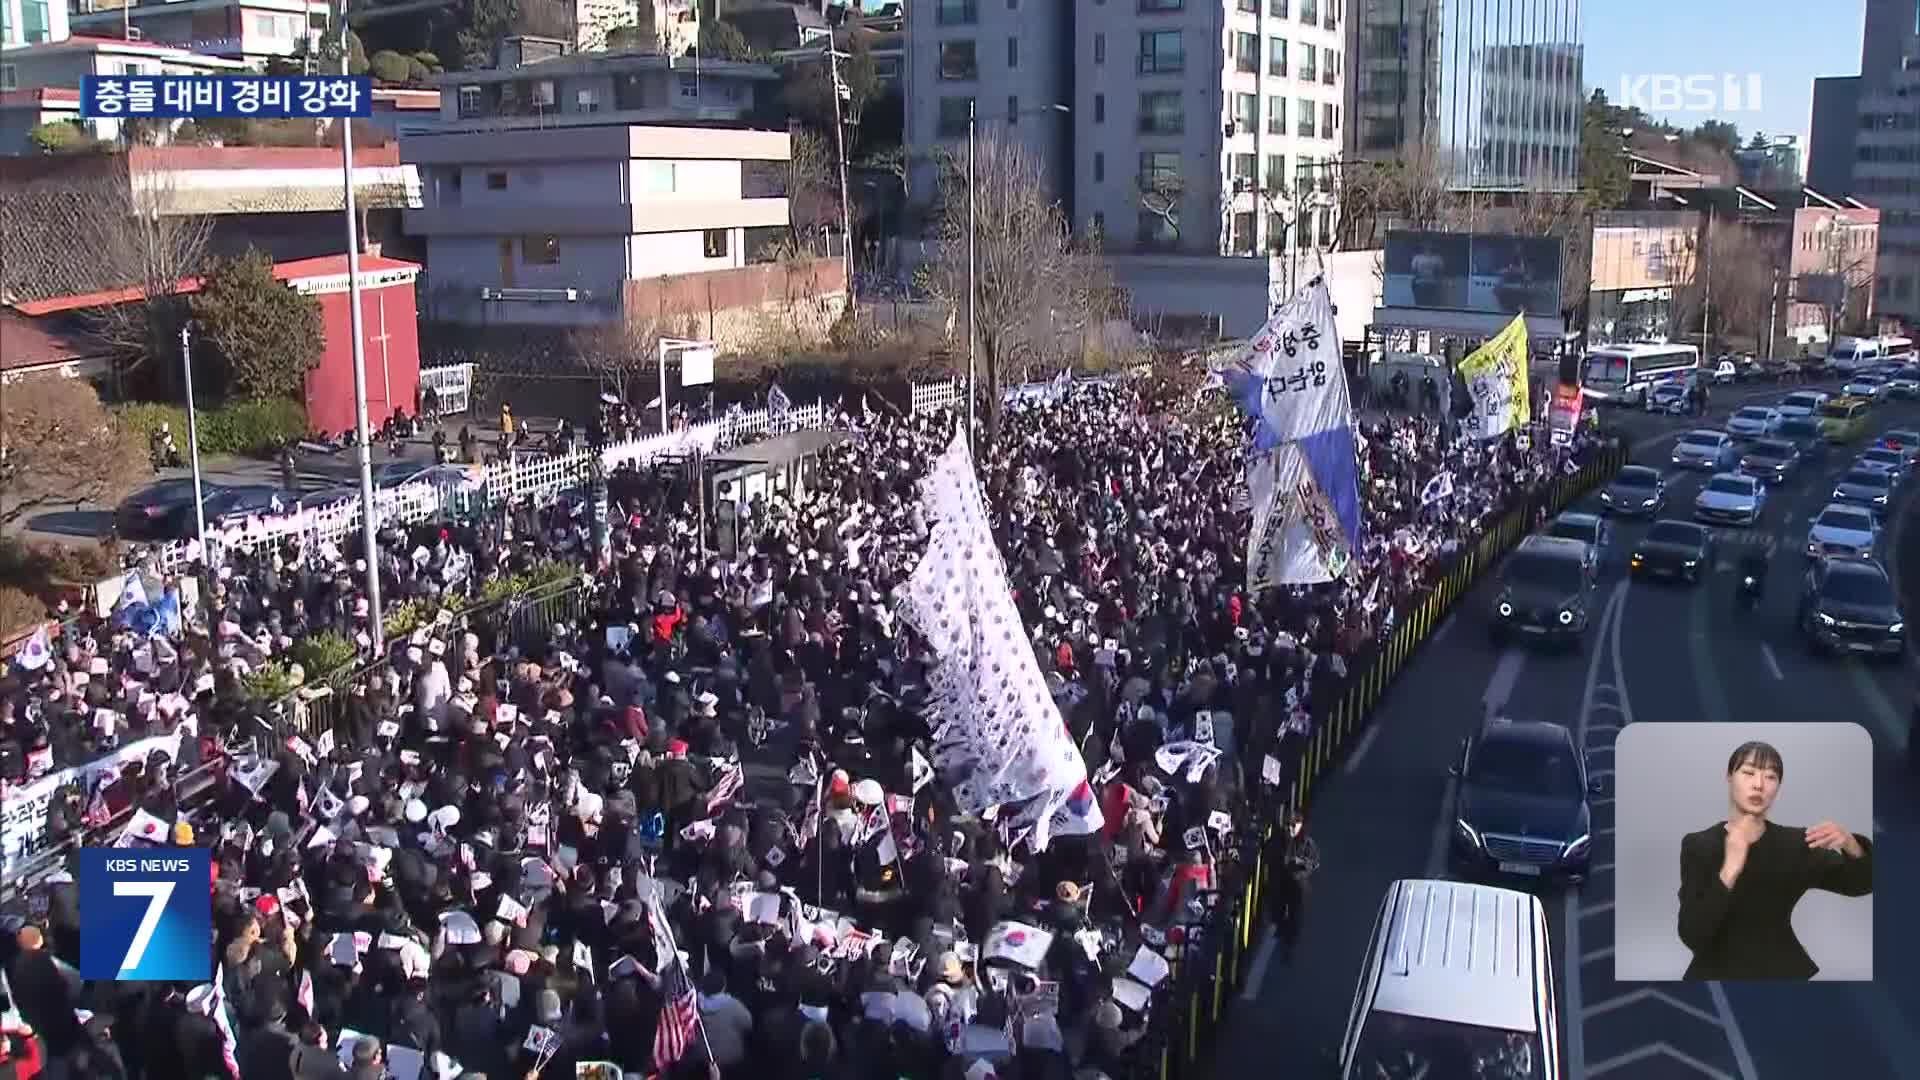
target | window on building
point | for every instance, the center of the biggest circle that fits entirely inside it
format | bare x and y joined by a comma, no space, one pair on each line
1251,7
1246,114
1156,233
1276,231
656,178
1013,110
496,181
266,26
542,93
1099,223
1099,108
954,113
1148,6
1326,121
1158,168
540,250
763,179
1243,234
1276,56
1309,11
1099,167
1013,53
1277,8
1304,120
1162,51
1330,70
1309,70
469,101
1276,172
1099,48
959,60
689,86
1246,174
1276,115
958,12
586,101
713,243
9,77
1161,113
1246,52
36,23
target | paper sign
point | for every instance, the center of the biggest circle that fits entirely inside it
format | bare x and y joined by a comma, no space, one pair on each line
596,1070
1195,838
539,1039
1148,966
512,911
1220,822
1203,727
775,856
1270,770
1131,994
388,729
324,745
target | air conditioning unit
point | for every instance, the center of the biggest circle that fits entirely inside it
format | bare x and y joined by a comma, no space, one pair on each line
568,296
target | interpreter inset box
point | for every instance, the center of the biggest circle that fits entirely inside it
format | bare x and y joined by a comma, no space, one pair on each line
1743,851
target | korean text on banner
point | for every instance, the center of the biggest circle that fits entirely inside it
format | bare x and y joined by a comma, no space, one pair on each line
1564,414
23,825
1303,473
1496,378
998,731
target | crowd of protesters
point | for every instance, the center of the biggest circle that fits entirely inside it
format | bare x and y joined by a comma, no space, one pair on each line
698,830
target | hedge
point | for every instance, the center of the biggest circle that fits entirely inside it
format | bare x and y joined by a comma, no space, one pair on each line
244,427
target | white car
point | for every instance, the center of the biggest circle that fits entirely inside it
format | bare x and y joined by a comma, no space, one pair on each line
1866,386
1802,403
1904,385
1731,499
1702,449
1754,422
1843,530
1668,397
1884,461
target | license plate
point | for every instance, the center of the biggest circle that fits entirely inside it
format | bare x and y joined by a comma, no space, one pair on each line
1533,629
1529,869
1859,646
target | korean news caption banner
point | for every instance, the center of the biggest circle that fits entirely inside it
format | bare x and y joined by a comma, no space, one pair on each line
260,96
1496,378
1302,469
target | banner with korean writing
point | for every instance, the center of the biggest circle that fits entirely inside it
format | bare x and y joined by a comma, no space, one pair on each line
1563,416
23,824
1302,472
1496,378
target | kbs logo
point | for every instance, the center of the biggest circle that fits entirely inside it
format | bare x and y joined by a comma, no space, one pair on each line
147,914
1690,93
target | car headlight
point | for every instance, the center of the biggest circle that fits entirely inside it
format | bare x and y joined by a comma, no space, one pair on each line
1880,500
1578,847
1566,618
1838,494
1825,619
1638,558
1606,496
1691,563
1506,610
1466,832
1897,628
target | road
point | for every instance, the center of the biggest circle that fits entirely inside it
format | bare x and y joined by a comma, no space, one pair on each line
1658,653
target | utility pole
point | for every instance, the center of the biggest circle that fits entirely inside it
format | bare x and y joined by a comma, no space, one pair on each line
1773,312
369,527
840,146
193,447
973,285
1706,310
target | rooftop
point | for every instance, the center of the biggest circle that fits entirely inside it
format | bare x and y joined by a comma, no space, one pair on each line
596,63
26,342
295,271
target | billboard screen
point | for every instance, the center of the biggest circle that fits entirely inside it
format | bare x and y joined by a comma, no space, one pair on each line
1485,272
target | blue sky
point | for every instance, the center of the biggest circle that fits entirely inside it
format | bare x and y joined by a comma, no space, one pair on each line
1786,44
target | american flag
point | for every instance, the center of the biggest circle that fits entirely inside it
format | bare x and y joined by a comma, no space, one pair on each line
679,1008
732,776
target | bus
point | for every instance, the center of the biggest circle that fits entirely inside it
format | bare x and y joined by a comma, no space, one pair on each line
1622,374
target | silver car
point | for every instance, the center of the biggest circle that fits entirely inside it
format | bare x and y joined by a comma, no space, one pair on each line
1712,451
1590,529
1803,402
1903,385
1731,499
1864,488
1866,386
1892,463
1843,530
1754,422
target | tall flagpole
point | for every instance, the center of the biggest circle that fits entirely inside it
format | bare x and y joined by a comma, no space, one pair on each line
369,528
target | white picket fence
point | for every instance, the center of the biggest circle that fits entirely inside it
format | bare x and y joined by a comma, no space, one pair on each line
536,479
927,397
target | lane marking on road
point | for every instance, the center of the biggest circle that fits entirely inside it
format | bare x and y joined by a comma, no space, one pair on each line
1446,624
1262,959
1570,924
1882,710
1360,749
1737,1041
1657,1050
1773,664
1506,675
1651,994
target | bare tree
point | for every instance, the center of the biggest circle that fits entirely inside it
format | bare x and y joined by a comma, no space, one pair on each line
1028,275
1543,211
1726,281
59,447
813,192
625,353
104,225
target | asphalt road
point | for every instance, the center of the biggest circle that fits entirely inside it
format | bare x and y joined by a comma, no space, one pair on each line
1658,653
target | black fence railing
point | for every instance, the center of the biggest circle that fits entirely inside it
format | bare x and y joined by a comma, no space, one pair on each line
1211,960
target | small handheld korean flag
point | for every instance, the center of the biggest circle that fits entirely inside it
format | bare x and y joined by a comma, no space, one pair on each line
36,652
1437,488
1195,838
778,404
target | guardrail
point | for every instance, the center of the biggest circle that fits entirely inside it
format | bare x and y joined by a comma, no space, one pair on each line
1210,962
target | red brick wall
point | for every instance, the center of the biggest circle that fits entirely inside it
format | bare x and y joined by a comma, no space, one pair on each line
704,294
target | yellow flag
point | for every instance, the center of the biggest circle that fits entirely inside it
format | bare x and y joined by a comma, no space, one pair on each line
1496,377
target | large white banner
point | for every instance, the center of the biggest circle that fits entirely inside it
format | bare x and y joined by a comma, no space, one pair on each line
23,819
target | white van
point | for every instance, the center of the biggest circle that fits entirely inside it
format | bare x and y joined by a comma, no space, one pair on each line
1848,354
1455,974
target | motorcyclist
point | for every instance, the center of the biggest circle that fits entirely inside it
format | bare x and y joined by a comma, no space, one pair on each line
1753,572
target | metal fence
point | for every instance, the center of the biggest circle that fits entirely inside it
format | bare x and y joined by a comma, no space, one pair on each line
452,385
1210,961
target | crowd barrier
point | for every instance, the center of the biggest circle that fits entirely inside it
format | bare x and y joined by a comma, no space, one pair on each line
1213,957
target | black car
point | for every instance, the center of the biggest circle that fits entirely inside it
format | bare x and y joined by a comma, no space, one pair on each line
1804,435
160,511
1674,549
1772,460
1849,605
235,505
1521,806
1544,589
1636,490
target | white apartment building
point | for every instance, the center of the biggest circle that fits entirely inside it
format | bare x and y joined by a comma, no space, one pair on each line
1198,122
251,31
556,226
32,22
40,83
597,89
1886,174
1011,62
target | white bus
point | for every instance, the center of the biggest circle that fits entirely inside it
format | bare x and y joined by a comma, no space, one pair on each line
1850,354
1622,374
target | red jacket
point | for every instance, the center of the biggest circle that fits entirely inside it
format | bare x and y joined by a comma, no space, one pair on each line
665,625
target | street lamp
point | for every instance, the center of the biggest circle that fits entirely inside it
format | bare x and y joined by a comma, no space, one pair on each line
973,229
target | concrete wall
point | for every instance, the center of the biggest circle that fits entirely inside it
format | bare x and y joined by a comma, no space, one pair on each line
1236,290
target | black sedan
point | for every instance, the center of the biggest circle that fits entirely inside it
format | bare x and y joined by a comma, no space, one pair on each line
1521,808
235,505
1772,460
161,511
1849,605
1674,549
1636,490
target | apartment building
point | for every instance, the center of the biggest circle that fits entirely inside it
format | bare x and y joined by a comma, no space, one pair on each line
1007,63
251,31
600,88
32,22
1886,175
40,82
1495,86
579,225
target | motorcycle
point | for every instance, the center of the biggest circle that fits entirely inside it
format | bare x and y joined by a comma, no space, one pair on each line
1751,588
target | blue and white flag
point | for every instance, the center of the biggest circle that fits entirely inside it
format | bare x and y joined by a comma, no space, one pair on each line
1303,472
777,401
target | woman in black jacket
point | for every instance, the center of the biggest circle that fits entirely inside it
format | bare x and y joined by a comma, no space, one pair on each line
1741,879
